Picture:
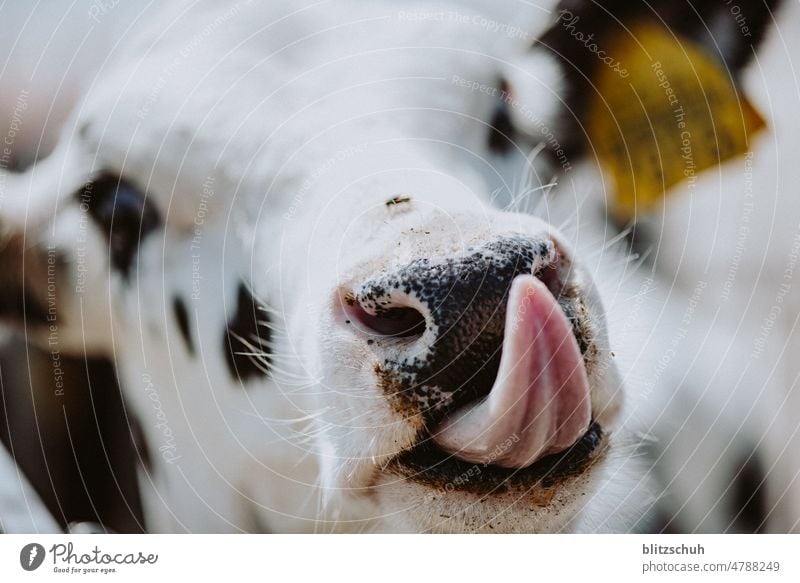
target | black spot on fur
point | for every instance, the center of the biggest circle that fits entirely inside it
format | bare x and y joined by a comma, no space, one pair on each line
247,333
28,271
140,446
17,304
749,495
123,214
83,131
182,318
501,130
70,433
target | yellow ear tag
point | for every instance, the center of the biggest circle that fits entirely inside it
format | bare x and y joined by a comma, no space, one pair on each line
669,114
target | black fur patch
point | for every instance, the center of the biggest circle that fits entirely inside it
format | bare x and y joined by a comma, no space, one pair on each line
501,130
16,305
140,446
242,334
182,318
27,273
749,496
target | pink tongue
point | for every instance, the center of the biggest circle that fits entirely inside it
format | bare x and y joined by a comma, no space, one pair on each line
539,403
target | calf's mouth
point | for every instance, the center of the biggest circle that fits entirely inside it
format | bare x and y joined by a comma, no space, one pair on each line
522,415
429,465
534,427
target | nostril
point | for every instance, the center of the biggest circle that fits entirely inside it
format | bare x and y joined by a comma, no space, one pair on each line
389,322
552,276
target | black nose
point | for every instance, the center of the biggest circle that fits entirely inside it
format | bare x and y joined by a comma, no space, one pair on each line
438,324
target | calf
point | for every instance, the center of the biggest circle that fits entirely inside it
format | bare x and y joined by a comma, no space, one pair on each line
317,244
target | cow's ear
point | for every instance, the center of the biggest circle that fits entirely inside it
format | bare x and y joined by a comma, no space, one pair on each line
651,90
